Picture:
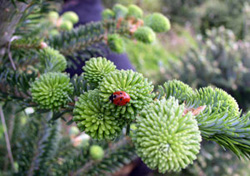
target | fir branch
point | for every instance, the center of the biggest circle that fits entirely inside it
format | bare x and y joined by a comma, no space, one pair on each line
118,154
47,146
16,84
84,36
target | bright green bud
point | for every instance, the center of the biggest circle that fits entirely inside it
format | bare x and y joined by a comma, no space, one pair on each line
96,68
92,117
52,60
158,22
96,152
120,11
70,16
66,25
108,14
134,84
134,11
53,15
145,34
51,90
115,43
165,139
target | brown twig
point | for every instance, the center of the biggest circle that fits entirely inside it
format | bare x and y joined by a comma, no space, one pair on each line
7,139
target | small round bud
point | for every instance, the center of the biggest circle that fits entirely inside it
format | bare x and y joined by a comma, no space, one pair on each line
70,16
53,15
120,11
66,25
134,11
73,131
96,152
108,14
145,34
115,43
158,22
43,45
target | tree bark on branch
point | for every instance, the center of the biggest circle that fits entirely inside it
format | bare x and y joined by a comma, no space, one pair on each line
9,18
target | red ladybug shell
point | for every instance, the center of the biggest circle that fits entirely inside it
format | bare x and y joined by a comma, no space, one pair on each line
120,98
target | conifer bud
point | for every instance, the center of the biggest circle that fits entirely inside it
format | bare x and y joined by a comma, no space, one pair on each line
51,90
134,11
96,152
108,14
164,138
66,25
70,16
120,11
145,34
115,43
158,22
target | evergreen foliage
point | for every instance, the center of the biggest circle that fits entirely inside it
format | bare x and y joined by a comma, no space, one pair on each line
169,124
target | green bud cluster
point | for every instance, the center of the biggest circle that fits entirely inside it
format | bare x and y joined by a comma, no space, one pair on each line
115,43
164,138
145,34
96,152
51,90
120,11
96,68
52,60
68,19
158,22
134,84
92,117
155,22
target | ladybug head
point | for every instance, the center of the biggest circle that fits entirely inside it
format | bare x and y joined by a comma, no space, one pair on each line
111,98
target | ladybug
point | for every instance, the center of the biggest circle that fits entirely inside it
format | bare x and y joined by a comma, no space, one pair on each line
120,98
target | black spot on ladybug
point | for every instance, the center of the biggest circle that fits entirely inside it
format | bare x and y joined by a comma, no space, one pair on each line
114,96
120,92
121,99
